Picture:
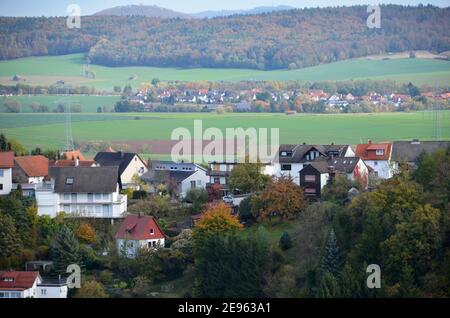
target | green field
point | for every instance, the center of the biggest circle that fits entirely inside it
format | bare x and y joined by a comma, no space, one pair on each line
48,130
49,69
89,104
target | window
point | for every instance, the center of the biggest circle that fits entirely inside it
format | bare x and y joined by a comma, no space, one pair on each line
375,163
74,197
90,197
2,173
216,180
66,196
286,154
310,191
66,208
98,196
310,178
43,291
286,167
1,186
15,295
193,184
379,152
152,231
69,181
3,295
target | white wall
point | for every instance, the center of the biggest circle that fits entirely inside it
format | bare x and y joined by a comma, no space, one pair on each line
200,178
294,172
382,167
6,180
136,166
51,291
132,247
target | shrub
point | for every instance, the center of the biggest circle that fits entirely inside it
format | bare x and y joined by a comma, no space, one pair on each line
285,241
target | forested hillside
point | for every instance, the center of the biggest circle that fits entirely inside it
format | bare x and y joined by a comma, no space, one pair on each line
286,39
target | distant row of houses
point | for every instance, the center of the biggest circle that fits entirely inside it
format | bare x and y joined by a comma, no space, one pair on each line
218,96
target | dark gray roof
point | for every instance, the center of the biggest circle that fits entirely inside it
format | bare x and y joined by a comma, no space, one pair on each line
85,179
119,159
410,150
299,151
340,164
344,164
160,176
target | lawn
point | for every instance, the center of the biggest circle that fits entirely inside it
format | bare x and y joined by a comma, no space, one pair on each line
89,104
48,130
47,70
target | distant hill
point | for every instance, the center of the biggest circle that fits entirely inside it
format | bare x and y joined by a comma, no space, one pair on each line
284,39
257,10
142,10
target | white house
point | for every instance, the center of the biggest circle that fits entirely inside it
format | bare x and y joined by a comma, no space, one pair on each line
16,284
290,159
30,169
138,232
377,157
82,191
181,176
6,166
130,164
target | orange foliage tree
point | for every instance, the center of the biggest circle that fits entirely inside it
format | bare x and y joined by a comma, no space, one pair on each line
283,198
216,220
85,232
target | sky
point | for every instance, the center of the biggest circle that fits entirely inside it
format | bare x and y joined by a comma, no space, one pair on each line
58,7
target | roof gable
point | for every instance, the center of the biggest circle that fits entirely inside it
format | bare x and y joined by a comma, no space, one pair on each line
6,160
119,159
139,227
85,179
33,166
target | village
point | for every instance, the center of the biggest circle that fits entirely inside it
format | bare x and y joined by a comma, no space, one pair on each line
111,187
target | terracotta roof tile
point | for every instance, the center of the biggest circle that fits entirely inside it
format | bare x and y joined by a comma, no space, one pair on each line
136,227
17,280
369,151
33,166
6,159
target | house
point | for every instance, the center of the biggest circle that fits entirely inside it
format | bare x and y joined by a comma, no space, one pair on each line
218,173
30,169
377,157
73,154
290,159
409,151
130,164
315,175
6,166
83,191
180,176
16,284
137,232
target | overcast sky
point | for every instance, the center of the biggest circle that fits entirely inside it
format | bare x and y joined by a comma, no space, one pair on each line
58,7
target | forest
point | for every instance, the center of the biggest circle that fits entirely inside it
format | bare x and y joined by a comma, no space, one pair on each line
287,39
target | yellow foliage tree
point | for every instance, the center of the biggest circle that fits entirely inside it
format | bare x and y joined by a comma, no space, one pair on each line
85,232
91,289
216,220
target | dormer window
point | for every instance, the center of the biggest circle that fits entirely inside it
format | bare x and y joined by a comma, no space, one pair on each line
69,181
8,279
286,154
379,152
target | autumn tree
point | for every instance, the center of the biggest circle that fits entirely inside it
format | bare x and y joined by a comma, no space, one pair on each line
217,219
247,178
91,289
85,232
282,198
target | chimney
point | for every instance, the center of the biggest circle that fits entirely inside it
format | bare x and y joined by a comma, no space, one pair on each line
370,142
77,162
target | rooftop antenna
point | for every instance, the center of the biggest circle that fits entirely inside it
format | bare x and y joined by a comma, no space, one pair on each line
437,132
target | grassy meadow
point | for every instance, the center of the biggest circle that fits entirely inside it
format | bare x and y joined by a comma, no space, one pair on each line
48,130
49,69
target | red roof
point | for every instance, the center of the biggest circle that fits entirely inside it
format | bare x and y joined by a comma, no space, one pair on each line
369,151
70,163
33,166
6,160
17,280
136,227
72,155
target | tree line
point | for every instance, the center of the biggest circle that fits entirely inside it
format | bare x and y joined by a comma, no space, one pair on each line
286,39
